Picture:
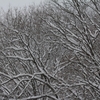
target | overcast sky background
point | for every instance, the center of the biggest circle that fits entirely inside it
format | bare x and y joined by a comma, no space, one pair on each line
5,4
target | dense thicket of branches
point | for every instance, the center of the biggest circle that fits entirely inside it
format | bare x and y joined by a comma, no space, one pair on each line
51,52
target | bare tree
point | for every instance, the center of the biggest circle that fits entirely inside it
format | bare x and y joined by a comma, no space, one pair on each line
50,52
76,22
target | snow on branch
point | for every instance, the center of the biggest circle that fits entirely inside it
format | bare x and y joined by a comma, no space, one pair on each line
21,58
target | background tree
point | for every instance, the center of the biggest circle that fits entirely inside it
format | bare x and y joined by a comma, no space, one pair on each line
51,52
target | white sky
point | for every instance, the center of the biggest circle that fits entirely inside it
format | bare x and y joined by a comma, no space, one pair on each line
17,3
